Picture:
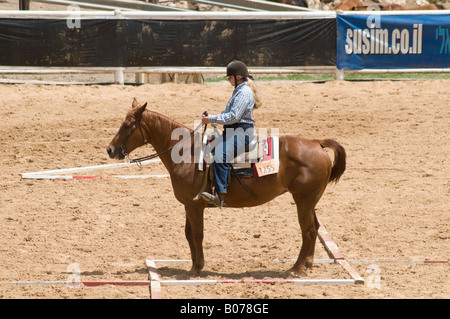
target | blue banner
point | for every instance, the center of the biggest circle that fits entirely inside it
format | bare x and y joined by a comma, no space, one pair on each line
378,41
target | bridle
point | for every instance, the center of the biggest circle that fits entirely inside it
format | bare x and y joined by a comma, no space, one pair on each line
149,157
138,123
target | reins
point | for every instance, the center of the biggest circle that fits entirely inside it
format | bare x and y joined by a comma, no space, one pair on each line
149,157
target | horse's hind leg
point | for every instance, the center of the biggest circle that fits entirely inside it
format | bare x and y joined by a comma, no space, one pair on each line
309,227
194,236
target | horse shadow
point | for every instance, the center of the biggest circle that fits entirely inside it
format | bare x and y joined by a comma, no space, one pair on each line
183,274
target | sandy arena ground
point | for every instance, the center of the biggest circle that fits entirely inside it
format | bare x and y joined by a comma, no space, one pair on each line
392,204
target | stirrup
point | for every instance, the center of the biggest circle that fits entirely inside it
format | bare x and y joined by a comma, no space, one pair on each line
213,199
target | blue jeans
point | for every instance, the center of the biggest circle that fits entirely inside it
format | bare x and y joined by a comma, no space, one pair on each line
233,142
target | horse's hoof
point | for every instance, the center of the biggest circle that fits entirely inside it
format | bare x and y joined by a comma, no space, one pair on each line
195,271
309,263
292,273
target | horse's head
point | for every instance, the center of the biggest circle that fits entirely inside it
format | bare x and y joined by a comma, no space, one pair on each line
130,135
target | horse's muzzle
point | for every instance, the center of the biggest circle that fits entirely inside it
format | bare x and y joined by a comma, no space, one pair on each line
114,152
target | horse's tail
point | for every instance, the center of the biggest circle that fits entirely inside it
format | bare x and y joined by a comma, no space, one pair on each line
340,158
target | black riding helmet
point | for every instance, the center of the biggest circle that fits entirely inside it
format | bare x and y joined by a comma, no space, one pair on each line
237,68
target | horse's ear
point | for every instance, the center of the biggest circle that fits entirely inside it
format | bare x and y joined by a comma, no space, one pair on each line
135,103
140,110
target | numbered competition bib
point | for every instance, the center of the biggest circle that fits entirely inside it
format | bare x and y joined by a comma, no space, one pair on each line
270,160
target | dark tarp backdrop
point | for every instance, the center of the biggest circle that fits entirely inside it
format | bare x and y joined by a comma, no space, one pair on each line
133,43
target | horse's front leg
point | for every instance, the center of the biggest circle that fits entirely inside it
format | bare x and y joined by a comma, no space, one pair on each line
194,236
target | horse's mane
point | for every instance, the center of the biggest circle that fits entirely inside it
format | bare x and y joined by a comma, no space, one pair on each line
163,118
166,125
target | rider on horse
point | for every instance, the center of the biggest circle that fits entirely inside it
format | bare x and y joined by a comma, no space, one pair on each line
237,120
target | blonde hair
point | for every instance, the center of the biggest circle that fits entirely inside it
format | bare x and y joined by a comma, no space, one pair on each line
258,101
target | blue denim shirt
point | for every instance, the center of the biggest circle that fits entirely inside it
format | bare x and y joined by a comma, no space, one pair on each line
239,108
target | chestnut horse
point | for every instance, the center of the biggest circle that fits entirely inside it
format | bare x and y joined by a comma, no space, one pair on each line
305,169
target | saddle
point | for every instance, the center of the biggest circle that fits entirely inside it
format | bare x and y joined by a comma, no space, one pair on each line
260,158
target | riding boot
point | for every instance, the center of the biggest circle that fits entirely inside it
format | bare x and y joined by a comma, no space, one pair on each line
216,199
221,200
